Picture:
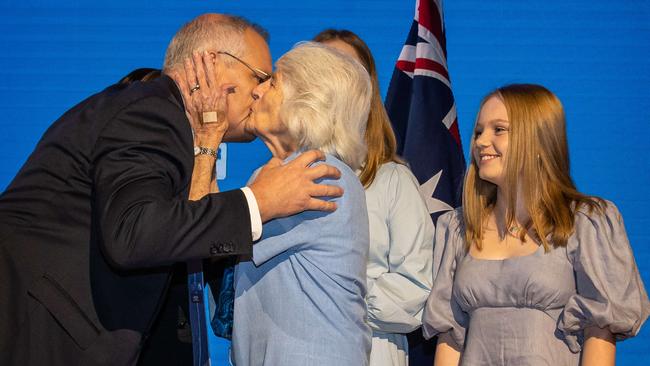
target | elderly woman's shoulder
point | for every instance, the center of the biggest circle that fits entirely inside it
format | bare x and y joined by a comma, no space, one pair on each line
348,176
337,163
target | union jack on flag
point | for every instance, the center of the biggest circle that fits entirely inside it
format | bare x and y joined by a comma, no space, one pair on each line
423,112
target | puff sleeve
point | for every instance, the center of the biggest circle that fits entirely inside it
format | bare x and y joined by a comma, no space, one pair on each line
610,293
442,313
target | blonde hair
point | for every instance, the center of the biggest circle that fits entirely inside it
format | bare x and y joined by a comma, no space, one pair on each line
537,163
379,136
326,101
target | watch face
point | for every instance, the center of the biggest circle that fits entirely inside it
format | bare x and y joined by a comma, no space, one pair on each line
197,150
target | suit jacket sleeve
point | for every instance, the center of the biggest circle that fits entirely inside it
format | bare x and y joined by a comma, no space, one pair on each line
142,167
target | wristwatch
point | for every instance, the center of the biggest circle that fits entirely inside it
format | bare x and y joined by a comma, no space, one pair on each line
200,150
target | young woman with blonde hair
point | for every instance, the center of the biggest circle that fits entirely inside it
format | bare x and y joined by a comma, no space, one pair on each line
401,230
530,271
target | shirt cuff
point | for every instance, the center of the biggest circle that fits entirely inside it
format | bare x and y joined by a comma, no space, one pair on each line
256,219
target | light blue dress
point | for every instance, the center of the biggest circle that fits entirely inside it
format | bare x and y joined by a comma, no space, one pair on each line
399,263
300,300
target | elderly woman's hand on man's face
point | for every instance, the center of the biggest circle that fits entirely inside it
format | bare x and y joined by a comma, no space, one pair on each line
205,98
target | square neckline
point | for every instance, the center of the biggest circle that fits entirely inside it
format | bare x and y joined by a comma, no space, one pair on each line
531,254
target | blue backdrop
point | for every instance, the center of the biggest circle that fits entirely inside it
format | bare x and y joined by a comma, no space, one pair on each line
592,54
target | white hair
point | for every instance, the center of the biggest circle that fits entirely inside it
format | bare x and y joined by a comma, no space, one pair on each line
326,101
209,32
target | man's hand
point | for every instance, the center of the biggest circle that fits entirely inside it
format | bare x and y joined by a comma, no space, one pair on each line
286,189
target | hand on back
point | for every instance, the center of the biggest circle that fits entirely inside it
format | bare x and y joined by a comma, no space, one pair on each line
286,189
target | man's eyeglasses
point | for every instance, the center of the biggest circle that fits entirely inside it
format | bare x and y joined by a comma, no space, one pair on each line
259,74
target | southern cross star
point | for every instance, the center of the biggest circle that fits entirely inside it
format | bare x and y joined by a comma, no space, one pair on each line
426,191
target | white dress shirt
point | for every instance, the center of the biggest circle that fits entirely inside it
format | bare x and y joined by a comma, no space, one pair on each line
256,219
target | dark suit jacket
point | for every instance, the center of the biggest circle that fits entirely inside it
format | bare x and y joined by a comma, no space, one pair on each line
92,223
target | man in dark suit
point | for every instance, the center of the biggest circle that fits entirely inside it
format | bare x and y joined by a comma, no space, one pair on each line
94,220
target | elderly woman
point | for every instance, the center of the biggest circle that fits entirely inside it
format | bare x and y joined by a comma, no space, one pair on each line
300,299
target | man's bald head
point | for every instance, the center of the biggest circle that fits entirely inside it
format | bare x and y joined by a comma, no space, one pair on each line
210,32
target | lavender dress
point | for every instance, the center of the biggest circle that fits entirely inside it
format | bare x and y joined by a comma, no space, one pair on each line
532,310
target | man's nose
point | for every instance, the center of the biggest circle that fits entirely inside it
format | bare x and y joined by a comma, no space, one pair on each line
259,90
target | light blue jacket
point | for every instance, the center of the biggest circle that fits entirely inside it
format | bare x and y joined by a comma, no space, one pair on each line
300,300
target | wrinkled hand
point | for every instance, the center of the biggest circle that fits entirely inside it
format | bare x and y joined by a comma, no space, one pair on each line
286,189
211,96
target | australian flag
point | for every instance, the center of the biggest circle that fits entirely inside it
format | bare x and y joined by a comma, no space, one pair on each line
423,112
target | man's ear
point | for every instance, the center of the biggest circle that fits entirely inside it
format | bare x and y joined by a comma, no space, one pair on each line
220,60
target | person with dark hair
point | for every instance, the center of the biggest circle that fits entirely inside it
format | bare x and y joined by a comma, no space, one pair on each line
141,74
401,230
93,222
530,271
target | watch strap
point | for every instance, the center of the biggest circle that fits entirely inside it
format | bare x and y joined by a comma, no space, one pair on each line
200,150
